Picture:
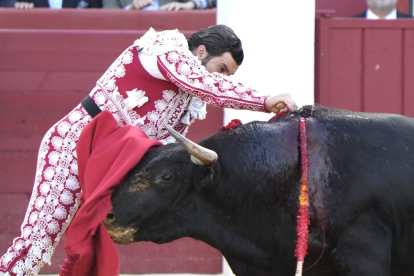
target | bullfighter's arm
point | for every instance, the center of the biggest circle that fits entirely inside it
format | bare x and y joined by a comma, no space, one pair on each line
182,69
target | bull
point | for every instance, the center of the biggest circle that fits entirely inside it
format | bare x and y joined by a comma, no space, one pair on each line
361,195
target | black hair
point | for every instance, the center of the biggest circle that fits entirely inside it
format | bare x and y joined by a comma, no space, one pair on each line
218,39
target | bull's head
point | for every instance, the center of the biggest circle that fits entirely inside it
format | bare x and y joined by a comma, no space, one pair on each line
163,176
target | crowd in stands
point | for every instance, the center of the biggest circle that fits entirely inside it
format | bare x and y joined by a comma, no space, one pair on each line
377,9
168,5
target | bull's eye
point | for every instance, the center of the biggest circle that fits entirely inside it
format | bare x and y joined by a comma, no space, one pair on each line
167,177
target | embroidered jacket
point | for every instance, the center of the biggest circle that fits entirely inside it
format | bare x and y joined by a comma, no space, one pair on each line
136,97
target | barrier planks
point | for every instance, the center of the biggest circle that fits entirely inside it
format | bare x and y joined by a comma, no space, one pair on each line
365,65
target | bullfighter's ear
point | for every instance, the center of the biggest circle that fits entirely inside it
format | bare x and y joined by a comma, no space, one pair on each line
206,182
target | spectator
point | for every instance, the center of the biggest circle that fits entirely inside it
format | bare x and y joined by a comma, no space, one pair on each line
382,9
168,5
7,3
58,4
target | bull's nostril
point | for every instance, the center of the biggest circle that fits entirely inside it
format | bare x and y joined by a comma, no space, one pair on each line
110,216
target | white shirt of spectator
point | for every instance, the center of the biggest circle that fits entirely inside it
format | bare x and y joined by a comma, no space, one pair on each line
391,15
55,4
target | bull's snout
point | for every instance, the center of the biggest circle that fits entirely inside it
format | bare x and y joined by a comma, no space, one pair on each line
110,217
118,234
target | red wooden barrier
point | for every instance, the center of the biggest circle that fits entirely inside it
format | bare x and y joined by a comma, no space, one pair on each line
104,19
44,73
365,65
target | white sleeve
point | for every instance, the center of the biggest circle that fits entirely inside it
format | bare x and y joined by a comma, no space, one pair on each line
149,63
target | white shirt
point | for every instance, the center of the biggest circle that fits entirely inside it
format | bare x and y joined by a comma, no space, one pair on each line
150,64
55,4
391,15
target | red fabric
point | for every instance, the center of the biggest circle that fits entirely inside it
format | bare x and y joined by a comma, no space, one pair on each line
231,125
278,114
106,153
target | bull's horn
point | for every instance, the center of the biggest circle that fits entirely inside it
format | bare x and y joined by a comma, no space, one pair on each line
199,154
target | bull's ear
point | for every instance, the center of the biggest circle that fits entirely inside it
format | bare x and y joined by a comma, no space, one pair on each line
206,182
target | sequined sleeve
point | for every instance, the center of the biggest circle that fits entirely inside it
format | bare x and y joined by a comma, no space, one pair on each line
182,69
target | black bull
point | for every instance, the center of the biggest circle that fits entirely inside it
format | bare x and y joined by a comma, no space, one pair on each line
246,204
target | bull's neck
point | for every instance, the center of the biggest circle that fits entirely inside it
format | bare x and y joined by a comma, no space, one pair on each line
246,236
234,246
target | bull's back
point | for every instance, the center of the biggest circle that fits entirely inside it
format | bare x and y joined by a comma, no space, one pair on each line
371,176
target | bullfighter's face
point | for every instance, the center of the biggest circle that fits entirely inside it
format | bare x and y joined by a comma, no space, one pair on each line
224,64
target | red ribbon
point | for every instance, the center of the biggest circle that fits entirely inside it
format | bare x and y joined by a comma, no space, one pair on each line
303,216
231,125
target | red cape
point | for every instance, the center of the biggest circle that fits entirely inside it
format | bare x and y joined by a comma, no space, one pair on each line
106,153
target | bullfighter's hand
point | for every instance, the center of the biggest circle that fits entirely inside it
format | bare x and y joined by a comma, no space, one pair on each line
139,4
24,5
281,102
175,6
